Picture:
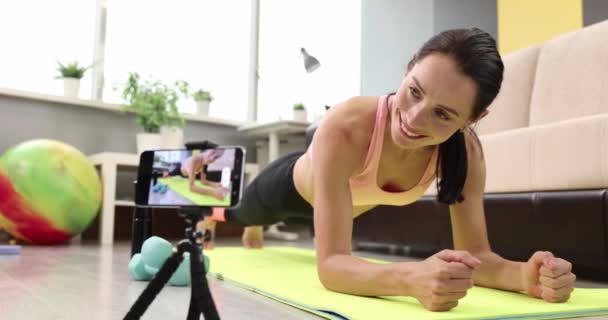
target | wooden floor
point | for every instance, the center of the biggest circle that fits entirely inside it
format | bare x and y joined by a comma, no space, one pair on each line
91,282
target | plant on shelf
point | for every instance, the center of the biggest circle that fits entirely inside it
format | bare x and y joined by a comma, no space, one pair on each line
155,106
299,112
153,102
71,70
71,75
202,95
203,99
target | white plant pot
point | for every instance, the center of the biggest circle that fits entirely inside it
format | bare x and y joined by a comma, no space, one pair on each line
300,115
71,87
171,137
148,141
202,108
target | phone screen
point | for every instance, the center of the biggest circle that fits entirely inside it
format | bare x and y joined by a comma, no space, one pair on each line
182,177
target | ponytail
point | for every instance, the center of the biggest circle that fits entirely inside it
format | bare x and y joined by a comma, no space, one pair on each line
475,52
453,163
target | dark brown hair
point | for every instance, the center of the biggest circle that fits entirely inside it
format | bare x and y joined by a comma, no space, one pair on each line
475,52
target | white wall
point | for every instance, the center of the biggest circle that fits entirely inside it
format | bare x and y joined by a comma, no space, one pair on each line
392,31
450,14
329,31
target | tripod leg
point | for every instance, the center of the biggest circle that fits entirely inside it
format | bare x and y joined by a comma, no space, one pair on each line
142,228
154,287
200,299
147,229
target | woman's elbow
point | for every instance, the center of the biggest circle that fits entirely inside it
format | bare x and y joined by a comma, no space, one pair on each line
326,276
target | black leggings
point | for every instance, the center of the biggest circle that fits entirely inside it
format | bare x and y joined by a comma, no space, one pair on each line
272,196
177,171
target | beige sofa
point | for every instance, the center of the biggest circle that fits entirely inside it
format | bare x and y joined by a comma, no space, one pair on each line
548,127
546,147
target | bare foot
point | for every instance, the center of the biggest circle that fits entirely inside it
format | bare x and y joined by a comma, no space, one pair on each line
253,237
207,224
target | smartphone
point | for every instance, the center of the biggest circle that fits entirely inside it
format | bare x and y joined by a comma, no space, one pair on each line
191,178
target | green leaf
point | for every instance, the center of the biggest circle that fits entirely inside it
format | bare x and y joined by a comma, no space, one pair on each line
202,95
71,70
153,102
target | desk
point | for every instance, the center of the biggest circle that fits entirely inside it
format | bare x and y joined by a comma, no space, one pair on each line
272,130
109,164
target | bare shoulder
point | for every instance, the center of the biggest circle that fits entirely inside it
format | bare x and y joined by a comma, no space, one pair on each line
345,132
353,119
476,175
473,145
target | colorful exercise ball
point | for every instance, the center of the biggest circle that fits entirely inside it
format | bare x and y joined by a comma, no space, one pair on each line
49,191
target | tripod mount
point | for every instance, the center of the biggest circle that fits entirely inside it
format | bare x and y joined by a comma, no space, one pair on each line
201,300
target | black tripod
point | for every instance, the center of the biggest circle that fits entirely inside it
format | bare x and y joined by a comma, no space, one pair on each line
201,300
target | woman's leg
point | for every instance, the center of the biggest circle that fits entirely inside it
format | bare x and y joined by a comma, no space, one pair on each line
270,198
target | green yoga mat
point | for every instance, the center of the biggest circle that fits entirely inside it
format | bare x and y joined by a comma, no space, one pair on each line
180,185
289,275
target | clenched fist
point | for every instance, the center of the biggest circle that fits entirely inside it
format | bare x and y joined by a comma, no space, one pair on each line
549,278
444,278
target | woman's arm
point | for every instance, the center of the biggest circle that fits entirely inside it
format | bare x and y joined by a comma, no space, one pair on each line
543,276
469,226
437,282
204,181
333,214
193,187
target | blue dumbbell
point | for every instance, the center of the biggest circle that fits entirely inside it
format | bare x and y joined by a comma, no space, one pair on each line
156,187
164,189
181,276
154,252
138,270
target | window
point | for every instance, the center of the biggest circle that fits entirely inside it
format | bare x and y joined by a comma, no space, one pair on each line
203,42
37,34
330,31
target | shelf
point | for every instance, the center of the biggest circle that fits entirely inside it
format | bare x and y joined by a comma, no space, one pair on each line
111,107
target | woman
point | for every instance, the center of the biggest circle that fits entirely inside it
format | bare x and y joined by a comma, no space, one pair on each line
369,151
195,167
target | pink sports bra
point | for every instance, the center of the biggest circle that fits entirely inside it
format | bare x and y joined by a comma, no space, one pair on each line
364,187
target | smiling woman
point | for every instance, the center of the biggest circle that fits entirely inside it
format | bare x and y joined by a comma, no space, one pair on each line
472,81
422,112
387,150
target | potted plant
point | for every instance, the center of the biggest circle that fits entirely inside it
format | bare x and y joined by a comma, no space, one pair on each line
71,75
203,99
155,106
299,112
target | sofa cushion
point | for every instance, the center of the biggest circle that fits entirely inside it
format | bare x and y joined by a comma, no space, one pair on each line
511,108
567,155
505,172
571,155
508,160
571,76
